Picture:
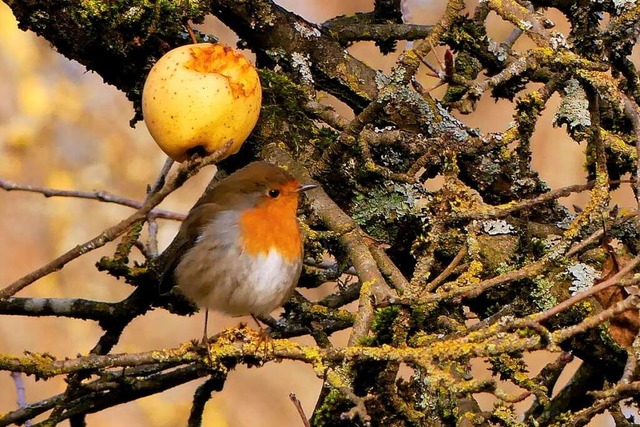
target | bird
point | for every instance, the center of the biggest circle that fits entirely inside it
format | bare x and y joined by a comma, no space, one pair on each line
239,251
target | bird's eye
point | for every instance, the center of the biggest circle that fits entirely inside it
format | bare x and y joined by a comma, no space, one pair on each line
274,193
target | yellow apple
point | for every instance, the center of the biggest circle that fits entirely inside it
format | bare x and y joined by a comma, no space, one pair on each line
199,96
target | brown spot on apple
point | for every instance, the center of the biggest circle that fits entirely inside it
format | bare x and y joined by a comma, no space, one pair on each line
220,59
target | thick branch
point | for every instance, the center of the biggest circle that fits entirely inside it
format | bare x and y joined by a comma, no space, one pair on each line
268,27
353,32
76,308
374,287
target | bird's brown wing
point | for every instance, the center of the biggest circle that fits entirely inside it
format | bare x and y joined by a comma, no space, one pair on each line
197,219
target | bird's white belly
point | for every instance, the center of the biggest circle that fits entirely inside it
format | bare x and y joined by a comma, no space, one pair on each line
237,283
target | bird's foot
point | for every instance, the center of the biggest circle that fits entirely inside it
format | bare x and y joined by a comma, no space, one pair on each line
265,342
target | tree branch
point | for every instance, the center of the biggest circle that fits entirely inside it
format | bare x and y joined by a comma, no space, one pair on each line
184,172
102,196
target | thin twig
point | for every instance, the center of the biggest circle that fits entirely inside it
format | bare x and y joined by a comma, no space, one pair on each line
388,268
185,171
532,23
501,211
298,405
20,391
631,302
405,68
430,287
327,114
348,136
613,281
596,235
528,270
608,398
26,414
475,290
102,196
161,179
192,34
628,373
151,247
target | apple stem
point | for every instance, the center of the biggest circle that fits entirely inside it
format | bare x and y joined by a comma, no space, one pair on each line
192,34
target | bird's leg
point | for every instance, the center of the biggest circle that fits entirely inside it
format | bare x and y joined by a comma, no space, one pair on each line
264,338
255,319
205,336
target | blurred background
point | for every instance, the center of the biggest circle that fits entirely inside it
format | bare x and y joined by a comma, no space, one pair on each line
62,127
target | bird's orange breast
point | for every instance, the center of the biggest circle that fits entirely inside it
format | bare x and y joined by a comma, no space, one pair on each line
272,226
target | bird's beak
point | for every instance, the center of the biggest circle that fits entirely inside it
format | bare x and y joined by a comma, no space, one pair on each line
306,187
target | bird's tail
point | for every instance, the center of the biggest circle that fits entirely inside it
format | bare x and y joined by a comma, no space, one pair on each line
169,296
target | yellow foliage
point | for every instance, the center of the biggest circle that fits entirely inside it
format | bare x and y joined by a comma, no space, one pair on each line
34,97
69,98
23,52
19,133
60,221
160,412
48,287
60,179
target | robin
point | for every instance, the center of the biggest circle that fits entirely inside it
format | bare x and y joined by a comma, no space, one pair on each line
239,251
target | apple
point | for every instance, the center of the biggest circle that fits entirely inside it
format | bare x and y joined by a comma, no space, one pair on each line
197,97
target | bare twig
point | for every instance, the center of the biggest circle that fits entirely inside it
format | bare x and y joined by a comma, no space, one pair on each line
501,211
631,302
532,23
102,196
185,171
616,280
430,287
161,178
298,405
151,247
406,67
22,397
596,235
192,35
